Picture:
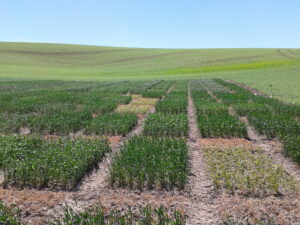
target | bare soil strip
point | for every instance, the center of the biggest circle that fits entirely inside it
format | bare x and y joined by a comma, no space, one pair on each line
204,206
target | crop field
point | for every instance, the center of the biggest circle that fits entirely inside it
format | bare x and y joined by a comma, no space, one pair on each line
147,152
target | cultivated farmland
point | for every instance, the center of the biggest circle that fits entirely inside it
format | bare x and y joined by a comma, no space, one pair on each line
147,152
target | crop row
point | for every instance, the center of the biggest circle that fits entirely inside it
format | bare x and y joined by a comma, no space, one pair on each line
213,86
151,162
61,112
158,90
162,124
141,87
155,160
214,120
176,101
31,161
47,102
269,116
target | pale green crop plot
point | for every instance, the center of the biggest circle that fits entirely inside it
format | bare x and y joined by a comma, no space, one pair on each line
274,71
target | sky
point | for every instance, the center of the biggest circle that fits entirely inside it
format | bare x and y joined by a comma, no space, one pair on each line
154,23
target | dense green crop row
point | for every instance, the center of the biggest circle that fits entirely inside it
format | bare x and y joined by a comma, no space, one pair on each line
213,86
173,125
176,101
148,162
34,162
158,90
278,125
196,86
143,86
55,112
111,124
214,122
292,146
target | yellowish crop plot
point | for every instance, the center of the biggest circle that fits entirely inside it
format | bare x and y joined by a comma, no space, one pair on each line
248,171
138,105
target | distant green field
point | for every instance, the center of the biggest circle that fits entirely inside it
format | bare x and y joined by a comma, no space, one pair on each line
274,71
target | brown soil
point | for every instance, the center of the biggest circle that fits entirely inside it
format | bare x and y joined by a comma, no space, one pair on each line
35,205
204,203
241,210
251,132
224,142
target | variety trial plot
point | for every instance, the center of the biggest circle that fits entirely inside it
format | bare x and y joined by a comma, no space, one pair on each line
43,126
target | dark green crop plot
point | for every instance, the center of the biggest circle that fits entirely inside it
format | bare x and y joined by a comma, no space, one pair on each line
274,125
292,146
61,123
154,163
159,124
141,87
173,105
176,101
214,121
30,161
197,86
55,112
201,99
158,90
111,124
231,86
244,109
213,86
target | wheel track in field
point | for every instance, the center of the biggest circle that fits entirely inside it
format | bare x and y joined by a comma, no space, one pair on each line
204,203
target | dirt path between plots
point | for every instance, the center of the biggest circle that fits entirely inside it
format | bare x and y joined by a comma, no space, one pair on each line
204,203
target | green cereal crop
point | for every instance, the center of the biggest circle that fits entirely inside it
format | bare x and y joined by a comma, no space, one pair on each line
147,162
173,125
30,161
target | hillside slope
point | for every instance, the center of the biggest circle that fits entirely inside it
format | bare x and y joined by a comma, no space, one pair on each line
275,71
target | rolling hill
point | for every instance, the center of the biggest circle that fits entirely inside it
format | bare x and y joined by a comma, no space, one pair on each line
274,71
